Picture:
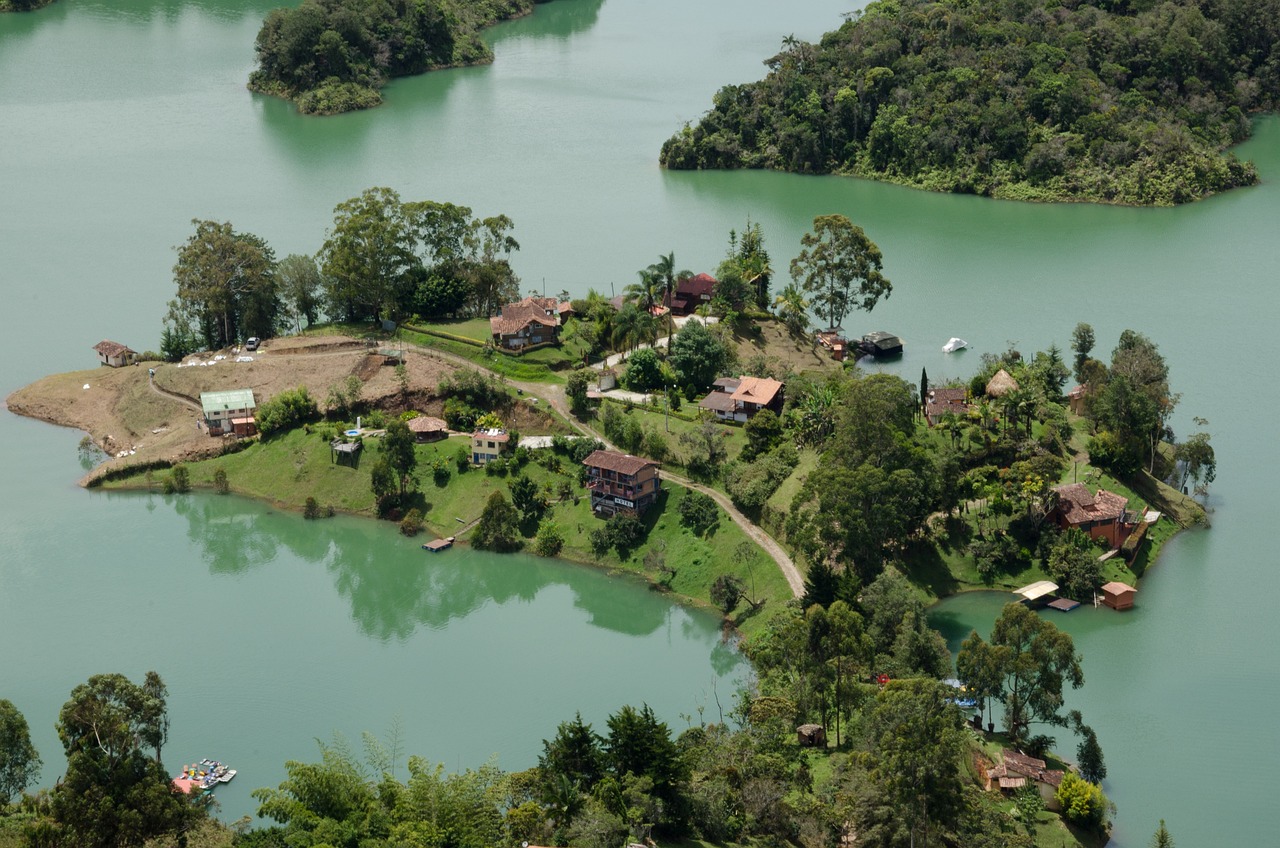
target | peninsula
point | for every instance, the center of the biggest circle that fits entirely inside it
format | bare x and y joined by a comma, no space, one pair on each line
1128,103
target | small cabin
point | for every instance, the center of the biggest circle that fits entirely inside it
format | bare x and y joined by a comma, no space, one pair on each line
1118,596
811,736
114,354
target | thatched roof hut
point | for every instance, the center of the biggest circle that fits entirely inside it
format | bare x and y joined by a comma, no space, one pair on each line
1001,384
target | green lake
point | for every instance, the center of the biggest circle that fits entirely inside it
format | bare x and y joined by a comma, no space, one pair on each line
121,121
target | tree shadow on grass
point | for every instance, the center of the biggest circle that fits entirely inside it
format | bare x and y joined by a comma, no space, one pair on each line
924,566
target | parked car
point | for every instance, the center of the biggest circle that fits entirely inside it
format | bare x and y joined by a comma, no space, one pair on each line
252,343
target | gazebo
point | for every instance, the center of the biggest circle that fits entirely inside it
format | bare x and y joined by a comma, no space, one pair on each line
1001,384
428,429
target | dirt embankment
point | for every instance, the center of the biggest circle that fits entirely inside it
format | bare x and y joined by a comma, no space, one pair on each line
135,423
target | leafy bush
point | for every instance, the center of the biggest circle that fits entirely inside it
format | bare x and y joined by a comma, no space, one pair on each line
644,371
311,509
549,540
334,98
1082,802
178,481
220,483
698,512
411,524
289,409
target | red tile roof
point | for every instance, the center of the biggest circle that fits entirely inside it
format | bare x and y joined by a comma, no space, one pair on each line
758,390
623,463
940,401
516,316
1078,505
110,348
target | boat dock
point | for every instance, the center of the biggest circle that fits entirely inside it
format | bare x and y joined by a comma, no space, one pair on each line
437,545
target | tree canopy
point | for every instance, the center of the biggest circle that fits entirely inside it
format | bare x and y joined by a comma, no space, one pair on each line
1115,101
19,761
333,56
839,267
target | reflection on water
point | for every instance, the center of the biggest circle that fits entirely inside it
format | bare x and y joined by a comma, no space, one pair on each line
394,587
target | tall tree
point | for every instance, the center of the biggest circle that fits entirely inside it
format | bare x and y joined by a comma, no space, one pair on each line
114,794
301,288
793,309
226,285
1040,659
980,667
1082,342
498,528
638,743
576,752
397,446
916,743
368,255
840,268
1161,838
19,762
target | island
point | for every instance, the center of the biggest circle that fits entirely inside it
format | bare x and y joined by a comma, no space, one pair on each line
693,432
23,5
333,57
1128,103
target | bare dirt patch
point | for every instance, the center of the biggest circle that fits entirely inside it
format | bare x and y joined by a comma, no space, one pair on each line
783,351
122,412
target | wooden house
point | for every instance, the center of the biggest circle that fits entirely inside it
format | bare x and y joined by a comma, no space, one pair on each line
531,321
835,343
620,483
428,429
1102,515
1015,770
739,399
690,293
115,354
939,402
229,411
1118,596
488,445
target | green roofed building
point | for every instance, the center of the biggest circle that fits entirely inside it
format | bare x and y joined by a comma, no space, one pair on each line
229,411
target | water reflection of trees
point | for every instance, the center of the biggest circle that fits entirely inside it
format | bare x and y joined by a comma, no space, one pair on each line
394,587
557,18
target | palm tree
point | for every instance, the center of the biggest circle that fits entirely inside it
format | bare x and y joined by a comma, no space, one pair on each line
644,292
626,327
793,309
664,270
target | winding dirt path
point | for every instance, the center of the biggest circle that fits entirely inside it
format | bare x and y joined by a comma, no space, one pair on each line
555,397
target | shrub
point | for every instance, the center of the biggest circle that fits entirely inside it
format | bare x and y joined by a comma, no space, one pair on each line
179,479
549,540
440,471
462,459
334,97
220,484
1082,802
287,410
644,371
698,512
311,509
411,524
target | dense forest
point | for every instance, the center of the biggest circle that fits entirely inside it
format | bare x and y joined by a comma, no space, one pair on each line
1122,102
904,768
333,56
22,5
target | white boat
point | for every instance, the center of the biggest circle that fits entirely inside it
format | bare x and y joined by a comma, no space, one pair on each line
953,345
226,776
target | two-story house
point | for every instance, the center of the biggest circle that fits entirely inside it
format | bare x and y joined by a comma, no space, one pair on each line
229,411
740,399
488,445
620,482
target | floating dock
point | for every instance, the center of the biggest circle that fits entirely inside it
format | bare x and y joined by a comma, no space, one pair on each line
438,544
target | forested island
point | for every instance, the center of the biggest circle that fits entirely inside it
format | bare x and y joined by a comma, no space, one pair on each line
1130,103
332,56
23,5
